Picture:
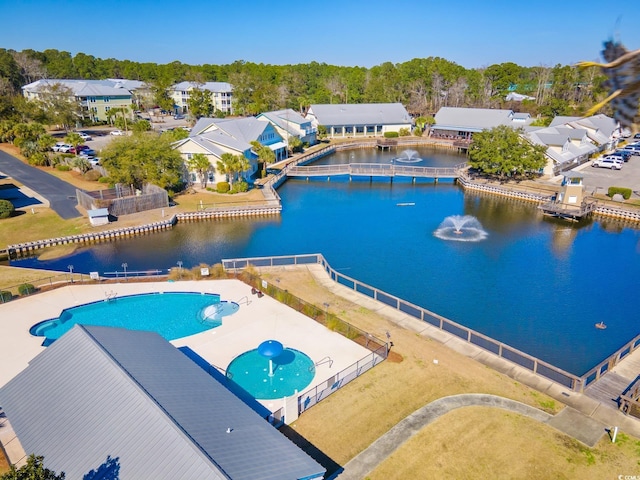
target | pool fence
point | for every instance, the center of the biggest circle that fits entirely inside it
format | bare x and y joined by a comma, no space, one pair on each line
569,380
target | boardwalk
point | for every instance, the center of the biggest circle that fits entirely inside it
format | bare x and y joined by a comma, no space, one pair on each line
607,390
374,170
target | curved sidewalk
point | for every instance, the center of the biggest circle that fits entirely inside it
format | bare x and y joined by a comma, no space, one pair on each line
590,431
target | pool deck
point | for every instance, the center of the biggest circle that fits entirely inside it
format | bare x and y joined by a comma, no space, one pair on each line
257,319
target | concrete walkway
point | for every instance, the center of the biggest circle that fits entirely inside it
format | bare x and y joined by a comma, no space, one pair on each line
574,423
585,419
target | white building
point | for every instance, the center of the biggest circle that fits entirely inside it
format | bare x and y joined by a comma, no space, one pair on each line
221,95
360,120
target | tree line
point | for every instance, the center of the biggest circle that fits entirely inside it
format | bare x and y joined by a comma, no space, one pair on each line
423,85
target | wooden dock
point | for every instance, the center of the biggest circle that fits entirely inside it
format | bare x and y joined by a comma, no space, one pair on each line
566,212
608,389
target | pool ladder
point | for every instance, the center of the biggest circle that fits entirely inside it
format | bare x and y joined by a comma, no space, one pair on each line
245,300
110,296
324,360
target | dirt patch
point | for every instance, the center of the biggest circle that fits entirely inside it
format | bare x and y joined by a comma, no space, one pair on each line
394,357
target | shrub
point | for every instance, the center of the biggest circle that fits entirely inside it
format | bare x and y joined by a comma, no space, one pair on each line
222,187
625,192
404,132
26,289
240,187
103,180
6,208
63,168
93,175
391,135
417,131
5,296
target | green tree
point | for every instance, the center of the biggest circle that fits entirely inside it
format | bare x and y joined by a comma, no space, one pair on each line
144,158
199,103
295,144
226,166
141,126
73,138
6,208
33,470
265,155
503,152
199,163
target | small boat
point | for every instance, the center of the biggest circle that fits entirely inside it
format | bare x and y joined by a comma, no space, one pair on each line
405,204
601,326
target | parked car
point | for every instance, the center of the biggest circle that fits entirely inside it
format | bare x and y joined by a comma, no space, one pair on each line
65,148
88,152
633,148
78,149
178,116
59,145
85,136
637,136
607,162
94,161
623,155
117,133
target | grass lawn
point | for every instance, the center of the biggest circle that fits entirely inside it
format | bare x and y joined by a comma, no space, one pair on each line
470,442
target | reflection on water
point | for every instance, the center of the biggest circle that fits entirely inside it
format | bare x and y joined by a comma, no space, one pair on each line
534,283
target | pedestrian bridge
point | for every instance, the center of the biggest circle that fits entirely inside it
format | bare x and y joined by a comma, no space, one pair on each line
375,170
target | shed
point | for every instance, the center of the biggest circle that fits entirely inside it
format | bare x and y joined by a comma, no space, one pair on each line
99,216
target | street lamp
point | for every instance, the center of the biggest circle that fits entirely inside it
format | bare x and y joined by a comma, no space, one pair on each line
326,310
124,265
180,268
70,267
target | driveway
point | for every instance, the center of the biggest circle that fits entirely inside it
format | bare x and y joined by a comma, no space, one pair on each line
61,195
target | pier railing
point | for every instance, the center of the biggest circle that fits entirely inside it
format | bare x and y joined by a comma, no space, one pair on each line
374,169
478,339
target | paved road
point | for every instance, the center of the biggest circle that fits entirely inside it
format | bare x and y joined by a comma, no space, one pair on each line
61,195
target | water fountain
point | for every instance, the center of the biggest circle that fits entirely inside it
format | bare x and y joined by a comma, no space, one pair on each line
461,228
270,349
408,156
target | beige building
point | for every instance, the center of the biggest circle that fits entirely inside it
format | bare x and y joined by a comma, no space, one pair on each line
221,95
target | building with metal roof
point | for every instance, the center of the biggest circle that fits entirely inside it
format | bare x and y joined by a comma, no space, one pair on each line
459,123
360,120
113,403
290,123
221,95
214,137
571,141
94,97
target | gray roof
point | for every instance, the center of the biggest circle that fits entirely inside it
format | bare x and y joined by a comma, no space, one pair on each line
83,88
217,87
478,119
102,393
360,114
233,133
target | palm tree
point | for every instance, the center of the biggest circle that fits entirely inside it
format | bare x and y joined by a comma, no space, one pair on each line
74,139
200,164
226,166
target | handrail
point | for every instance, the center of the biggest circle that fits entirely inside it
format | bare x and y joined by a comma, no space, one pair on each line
502,350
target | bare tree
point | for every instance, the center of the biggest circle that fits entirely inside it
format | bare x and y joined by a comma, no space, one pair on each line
31,68
418,93
457,92
336,87
543,73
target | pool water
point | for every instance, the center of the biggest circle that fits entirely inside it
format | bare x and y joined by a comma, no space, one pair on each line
292,370
172,315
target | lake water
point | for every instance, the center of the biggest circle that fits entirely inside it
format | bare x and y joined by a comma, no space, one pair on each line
535,283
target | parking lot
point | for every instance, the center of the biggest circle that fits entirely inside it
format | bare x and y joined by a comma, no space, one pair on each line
598,180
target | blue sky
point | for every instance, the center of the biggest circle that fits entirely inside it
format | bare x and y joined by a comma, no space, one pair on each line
350,33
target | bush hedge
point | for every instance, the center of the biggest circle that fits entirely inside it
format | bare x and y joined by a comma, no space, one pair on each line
222,187
26,289
240,187
625,192
6,208
63,168
5,296
391,135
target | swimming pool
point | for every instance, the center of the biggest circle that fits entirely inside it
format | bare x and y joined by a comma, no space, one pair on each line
292,370
172,315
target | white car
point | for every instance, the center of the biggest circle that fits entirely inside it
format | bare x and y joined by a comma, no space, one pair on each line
85,136
607,162
117,133
58,146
